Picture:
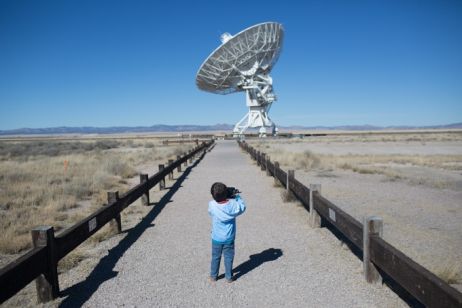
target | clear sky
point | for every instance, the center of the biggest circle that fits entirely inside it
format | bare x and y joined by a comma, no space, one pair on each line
133,63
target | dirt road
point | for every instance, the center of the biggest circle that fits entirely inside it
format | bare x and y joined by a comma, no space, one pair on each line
280,260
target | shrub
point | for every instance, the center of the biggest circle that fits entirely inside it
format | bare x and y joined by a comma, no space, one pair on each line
120,168
288,196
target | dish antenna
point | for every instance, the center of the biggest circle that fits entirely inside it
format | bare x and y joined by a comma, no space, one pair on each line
243,63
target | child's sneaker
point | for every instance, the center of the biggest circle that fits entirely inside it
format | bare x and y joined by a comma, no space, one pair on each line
212,279
230,280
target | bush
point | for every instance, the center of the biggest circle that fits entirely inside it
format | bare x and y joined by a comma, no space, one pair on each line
120,168
288,196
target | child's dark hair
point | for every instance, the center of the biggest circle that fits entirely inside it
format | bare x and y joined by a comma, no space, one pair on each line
219,191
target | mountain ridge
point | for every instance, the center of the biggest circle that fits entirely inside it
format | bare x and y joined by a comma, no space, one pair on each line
197,128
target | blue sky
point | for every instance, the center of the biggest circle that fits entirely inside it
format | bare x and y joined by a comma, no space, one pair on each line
133,63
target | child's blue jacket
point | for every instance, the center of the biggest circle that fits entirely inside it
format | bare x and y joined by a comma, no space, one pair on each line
224,219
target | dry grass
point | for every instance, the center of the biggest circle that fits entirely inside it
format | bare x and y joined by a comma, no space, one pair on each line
287,196
435,165
71,260
101,235
305,160
365,137
48,182
276,183
450,273
447,162
392,166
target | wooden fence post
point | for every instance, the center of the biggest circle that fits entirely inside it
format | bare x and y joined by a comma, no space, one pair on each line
47,283
185,161
191,157
290,177
372,226
178,157
258,158
162,181
263,162
315,218
170,175
268,172
115,224
145,196
276,166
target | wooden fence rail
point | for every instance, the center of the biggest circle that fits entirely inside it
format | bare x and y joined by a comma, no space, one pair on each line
41,262
423,285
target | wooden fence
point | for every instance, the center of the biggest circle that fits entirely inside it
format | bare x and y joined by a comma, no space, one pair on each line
40,263
378,255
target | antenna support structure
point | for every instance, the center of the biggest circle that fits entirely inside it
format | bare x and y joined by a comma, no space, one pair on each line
259,98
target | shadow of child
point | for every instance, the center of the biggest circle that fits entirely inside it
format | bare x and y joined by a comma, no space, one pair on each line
256,260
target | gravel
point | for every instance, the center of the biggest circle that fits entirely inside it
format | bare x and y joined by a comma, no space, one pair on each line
422,222
164,261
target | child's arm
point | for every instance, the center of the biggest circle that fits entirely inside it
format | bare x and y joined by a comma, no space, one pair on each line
238,206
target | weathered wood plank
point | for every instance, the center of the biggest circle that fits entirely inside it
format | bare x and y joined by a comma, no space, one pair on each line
345,223
301,192
417,280
22,271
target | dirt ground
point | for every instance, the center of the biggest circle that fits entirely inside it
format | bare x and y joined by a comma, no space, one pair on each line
420,203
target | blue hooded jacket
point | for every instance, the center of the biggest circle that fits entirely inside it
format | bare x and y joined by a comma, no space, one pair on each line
224,219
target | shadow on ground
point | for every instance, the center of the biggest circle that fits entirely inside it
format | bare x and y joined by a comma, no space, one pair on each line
78,294
255,261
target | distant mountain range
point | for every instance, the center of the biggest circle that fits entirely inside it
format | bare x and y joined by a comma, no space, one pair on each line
200,128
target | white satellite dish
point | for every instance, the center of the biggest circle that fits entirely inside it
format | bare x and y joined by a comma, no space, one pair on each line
243,63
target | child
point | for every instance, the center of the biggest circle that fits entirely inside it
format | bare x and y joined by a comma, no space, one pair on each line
223,210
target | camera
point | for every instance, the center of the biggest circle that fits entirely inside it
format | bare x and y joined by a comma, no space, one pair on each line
231,192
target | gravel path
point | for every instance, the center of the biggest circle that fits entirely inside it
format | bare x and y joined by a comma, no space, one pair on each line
279,259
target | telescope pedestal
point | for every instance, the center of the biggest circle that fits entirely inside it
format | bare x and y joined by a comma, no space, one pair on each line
256,117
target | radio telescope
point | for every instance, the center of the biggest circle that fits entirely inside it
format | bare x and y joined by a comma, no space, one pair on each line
243,63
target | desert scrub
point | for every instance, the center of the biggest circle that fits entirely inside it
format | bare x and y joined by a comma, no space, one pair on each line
39,186
39,191
305,160
365,164
447,162
71,260
288,196
23,150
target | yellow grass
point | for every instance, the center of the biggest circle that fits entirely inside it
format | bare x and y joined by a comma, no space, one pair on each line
287,196
384,136
365,164
58,183
450,273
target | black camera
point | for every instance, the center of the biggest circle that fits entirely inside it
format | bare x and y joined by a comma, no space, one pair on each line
231,192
